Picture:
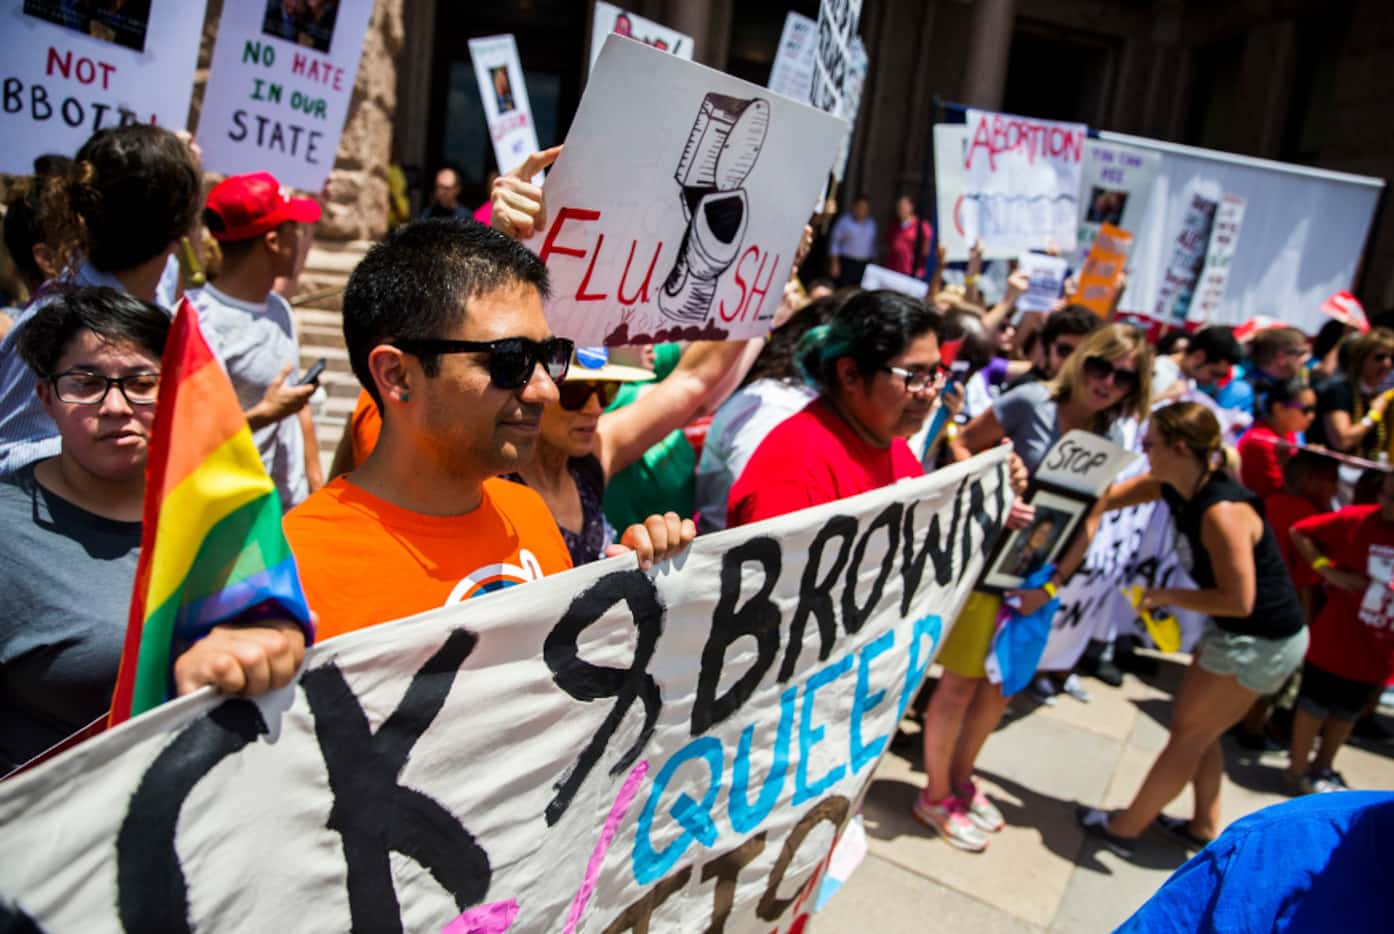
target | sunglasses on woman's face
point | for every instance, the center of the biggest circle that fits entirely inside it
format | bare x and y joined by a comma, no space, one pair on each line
1101,369
512,360
575,393
1304,409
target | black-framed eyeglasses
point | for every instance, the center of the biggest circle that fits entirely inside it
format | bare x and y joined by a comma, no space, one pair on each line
1101,369
79,387
920,378
575,393
512,360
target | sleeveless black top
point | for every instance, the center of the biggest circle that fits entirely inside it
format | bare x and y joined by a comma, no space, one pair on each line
589,543
1277,613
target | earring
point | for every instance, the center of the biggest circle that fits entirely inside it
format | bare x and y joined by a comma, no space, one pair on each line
406,397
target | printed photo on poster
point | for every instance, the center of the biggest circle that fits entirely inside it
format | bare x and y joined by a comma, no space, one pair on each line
1106,206
1019,553
309,23
121,22
503,89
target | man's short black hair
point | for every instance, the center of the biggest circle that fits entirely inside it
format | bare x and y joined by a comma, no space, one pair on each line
414,285
109,313
1217,342
1075,320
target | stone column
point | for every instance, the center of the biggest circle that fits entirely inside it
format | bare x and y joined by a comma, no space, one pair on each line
986,76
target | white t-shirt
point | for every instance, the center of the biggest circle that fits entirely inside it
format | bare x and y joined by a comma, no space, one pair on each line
742,422
254,341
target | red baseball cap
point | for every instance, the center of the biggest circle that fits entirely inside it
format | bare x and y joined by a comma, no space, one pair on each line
250,205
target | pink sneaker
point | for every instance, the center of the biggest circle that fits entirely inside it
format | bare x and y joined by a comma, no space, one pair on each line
949,819
982,812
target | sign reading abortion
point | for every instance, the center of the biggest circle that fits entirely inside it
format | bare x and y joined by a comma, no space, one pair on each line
279,89
602,750
681,225
71,69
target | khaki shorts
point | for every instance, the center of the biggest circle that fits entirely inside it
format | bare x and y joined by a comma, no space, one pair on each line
1261,665
970,640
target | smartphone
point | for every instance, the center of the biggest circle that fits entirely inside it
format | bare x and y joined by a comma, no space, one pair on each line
313,373
959,371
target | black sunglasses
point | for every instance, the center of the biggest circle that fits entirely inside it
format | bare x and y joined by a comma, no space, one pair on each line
576,392
1099,368
512,360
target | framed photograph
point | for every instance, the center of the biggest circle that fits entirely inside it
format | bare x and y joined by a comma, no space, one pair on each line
1059,515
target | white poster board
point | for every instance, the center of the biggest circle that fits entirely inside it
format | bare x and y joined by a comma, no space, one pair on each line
605,749
611,19
1116,184
879,277
839,68
1046,275
1219,256
67,72
681,225
279,89
792,73
1083,462
1304,232
504,94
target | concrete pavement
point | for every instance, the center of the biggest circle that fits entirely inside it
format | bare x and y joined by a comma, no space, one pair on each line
1040,874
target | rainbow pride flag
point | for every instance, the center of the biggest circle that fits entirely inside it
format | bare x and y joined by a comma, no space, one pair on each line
212,550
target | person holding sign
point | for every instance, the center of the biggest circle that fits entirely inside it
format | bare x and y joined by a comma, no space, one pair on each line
1107,378
1256,638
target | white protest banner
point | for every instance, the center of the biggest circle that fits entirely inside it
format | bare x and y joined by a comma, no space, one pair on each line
1189,243
611,19
1219,256
879,277
588,752
682,224
71,69
1047,279
792,73
505,96
1083,462
1022,182
1116,183
839,68
279,88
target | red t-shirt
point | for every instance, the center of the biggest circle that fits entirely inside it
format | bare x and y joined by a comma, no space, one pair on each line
811,458
1353,636
1260,464
900,247
1282,511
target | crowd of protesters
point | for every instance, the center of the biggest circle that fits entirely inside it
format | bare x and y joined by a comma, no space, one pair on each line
484,440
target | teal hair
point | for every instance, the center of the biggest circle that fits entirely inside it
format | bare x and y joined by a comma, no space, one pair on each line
819,345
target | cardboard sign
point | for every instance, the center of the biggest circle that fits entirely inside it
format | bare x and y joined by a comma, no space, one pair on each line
1021,182
792,73
839,68
1098,280
681,225
879,277
1083,462
611,19
1219,256
605,749
70,70
505,97
1188,246
1116,186
279,89
1047,281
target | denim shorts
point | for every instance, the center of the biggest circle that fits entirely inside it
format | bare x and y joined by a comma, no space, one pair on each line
1261,665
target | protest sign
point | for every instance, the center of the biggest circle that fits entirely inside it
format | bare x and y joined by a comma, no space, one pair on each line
1188,247
1098,280
792,73
1021,187
681,225
1083,462
611,19
1219,255
879,277
70,70
602,750
505,96
1116,183
1046,275
839,68
279,88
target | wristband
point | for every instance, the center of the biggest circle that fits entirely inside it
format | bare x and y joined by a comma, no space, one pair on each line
1374,417
1050,589
969,280
1320,563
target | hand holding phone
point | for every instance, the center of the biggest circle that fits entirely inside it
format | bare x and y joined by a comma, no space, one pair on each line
313,373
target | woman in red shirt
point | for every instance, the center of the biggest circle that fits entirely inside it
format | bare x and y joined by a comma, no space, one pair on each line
1288,411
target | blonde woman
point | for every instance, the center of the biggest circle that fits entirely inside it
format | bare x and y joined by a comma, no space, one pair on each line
1350,408
1106,380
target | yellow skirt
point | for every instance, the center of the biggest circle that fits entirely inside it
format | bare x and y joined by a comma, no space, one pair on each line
968,644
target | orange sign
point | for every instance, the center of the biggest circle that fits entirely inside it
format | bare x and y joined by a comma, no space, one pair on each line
1098,280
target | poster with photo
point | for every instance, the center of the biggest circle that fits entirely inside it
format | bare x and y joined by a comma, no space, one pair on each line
278,91
1116,185
505,97
611,19
69,69
1019,553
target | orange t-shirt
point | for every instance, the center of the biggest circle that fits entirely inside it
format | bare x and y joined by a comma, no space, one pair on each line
364,427
364,561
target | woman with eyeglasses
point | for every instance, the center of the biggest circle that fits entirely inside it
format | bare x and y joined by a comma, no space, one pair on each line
1351,409
73,531
1106,380
1288,410
1256,636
